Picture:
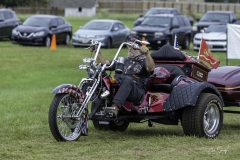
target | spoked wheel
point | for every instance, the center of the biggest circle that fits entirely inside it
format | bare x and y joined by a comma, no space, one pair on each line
64,123
205,119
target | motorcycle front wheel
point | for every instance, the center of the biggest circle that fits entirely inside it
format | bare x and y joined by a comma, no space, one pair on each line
64,124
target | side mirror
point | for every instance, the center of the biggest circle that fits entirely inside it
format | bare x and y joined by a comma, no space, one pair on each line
115,29
234,20
1,20
197,19
140,15
53,26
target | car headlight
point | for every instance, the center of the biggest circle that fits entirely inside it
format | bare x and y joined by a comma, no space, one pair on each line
133,32
194,28
38,34
76,35
158,34
14,32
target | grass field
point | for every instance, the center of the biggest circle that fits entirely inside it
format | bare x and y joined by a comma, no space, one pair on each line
27,77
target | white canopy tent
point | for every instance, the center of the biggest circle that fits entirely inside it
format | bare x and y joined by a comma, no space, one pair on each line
233,41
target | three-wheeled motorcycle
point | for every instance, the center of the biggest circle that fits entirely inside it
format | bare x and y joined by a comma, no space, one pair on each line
177,92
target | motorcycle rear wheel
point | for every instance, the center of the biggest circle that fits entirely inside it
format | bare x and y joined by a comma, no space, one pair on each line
205,119
62,119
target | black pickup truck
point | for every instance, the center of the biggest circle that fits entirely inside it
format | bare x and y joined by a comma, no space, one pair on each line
160,29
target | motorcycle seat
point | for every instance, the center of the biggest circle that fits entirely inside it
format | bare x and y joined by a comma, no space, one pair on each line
167,52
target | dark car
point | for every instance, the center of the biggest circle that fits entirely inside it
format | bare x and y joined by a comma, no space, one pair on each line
8,21
213,17
39,29
157,10
160,29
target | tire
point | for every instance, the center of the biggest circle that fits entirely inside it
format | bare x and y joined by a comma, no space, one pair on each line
119,125
63,121
168,41
205,119
67,39
48,41
186,44
109,43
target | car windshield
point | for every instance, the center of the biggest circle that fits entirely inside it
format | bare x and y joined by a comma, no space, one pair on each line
157,21
97,25
1,16
216,29
215,17
37,21
155,11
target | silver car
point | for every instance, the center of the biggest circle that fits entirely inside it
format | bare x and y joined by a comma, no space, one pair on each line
109,32
215,36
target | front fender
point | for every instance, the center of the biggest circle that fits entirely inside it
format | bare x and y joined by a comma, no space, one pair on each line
187,95
69,89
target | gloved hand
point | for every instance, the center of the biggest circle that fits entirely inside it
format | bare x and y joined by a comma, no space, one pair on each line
144,49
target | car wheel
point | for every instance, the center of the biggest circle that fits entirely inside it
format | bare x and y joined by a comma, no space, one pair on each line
67,39
109,43
186,44
47,41
168,40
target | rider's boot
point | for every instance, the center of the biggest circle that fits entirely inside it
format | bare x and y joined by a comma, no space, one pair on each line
115,110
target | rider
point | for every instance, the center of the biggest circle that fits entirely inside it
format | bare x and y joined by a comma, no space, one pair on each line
137,68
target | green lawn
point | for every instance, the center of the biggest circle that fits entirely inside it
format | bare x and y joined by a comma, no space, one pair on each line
27,77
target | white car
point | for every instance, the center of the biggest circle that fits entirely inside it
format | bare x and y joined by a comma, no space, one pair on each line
109,32
215,36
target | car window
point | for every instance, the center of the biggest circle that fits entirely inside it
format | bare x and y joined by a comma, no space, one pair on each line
121,26
157,21
97,25
216,29
175,22
8,15
181,21
37,21
215,17
60,21
186,21
2,16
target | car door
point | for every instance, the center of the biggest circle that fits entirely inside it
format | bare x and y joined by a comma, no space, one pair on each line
62,29
181,30
55,30
9,23
115,32
123,32
2,24
176,30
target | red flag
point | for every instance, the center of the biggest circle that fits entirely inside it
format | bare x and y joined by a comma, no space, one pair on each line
206,55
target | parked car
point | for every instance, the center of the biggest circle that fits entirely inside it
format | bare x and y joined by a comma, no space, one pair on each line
8,21
39,29
215,36
160,29
108,32
213,17
157,10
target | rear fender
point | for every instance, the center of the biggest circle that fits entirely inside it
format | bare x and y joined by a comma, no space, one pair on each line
70,89
187,95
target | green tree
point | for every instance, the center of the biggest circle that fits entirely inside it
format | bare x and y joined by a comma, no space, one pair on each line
14,3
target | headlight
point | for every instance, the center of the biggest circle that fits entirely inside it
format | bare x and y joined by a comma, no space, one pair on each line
133,32
194,28
38,34
14,32
158,34
76,35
